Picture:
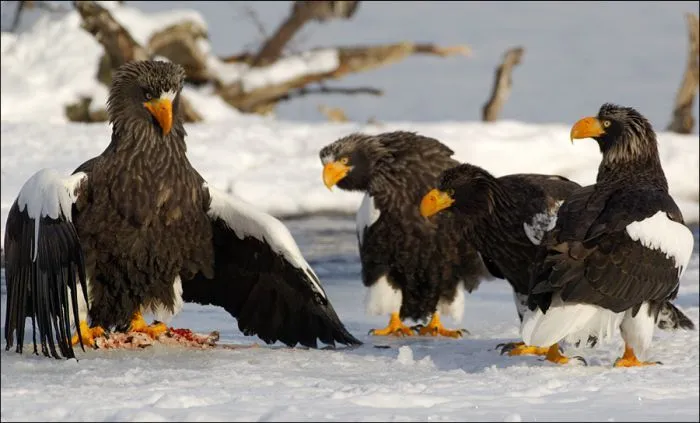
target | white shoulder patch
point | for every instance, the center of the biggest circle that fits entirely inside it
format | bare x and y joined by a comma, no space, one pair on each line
48,194
366,216
542,223
658,232
244,220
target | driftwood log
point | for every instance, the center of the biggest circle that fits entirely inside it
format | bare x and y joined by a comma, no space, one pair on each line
120,47
682,121
502,84
180,44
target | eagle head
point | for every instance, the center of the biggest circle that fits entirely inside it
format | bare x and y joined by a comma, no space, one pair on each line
145,96
622,133
349,161
464,187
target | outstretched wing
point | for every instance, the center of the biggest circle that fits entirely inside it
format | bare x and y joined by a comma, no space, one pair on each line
44,262
261,278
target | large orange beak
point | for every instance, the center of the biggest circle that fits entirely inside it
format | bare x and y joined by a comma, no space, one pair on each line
434,201
333,172
162,110
588,127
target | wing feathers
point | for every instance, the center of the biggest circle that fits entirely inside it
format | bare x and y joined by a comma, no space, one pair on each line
44,260
261,278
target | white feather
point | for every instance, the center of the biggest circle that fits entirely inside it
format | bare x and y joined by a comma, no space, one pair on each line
366,216
165,314
638,331
327,159
382,298
565,320
168,95
48,194
541,223
82,305
454,308
658,232
244,220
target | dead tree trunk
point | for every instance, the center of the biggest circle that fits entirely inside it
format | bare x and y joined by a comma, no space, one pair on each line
502,84
120,47
682,121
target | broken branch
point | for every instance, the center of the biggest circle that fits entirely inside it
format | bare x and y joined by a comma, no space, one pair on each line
682,121
502,84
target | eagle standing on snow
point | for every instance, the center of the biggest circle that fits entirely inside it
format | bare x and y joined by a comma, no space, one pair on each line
138,229
413,268
505,219
619,247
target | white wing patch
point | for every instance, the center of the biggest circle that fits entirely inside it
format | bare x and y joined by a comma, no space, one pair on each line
244,220
366,216
658,232
382,298
48,194
542,223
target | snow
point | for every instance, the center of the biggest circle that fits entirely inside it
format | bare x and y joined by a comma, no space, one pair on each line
419,379
291,67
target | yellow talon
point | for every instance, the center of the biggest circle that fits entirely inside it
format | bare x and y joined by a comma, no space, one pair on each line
87,333
138,324
629,359
395,327
554,355
435,328
519,348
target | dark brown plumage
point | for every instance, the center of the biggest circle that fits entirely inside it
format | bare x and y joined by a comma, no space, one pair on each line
142,229
619,247
407,262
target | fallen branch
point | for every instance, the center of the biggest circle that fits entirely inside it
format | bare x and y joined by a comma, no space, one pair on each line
502,84
331,90
682,121
350,60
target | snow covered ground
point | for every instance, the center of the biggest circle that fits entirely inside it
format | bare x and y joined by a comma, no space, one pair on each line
421,379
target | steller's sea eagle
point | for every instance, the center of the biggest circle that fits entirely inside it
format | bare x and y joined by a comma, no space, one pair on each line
619,247
138,229
412,268
505,219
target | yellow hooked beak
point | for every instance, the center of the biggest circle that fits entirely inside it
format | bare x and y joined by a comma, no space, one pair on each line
588,127
162,110
434,201
333,172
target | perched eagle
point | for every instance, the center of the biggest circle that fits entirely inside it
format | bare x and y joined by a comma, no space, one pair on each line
413,268
619,247
138,229
505,219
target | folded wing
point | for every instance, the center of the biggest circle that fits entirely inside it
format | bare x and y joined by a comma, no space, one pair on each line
262,279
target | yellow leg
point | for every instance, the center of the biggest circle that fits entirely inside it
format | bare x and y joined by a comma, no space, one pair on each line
395,327
519,348
629,359
140,325
87,333
435,328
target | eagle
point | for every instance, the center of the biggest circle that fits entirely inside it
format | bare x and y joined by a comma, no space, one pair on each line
505,219
413,268
618,250
137,229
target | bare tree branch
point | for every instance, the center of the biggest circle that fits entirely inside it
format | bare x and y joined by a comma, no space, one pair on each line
252,15
330,90
502,84
683,121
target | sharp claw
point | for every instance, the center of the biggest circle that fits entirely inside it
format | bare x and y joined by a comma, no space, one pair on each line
581,359
370,332
658,362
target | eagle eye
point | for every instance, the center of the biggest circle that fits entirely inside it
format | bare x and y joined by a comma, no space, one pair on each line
344,160
148,96
606,123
